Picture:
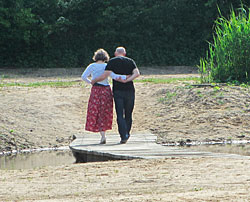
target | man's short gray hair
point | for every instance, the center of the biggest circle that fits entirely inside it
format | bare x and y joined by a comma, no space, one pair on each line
120,50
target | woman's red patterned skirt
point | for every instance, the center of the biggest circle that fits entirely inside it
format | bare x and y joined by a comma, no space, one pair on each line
100,109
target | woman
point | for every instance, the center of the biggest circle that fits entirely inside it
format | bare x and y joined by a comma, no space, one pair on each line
100,105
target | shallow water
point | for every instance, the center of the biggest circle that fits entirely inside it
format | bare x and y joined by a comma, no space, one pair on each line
36,160
31,160
240,149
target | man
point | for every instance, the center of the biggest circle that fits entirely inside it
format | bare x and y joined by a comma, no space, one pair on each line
123,90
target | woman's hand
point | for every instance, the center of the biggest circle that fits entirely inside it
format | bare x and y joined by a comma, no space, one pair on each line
121,80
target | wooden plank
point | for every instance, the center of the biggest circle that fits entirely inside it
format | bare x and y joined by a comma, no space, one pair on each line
86,148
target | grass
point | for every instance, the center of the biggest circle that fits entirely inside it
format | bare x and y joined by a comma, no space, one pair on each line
167,80
169,96
40,84
72,83
227,59
148,80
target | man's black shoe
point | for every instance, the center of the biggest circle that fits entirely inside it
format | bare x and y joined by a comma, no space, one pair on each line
123,141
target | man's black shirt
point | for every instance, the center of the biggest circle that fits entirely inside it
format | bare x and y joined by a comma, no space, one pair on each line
122,65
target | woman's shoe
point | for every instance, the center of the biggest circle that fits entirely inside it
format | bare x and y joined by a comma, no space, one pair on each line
103,140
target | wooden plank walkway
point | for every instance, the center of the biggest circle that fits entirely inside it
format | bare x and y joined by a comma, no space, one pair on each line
86,148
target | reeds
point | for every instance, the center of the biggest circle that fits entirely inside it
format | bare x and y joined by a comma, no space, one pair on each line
228,58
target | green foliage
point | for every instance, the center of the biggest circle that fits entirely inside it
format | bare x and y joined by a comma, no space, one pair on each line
228,59
168,80
40,84
65,33
168,97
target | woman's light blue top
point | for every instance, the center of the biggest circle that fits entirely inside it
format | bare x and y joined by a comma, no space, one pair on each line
97,69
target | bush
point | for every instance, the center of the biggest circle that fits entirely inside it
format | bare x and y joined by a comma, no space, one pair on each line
228,58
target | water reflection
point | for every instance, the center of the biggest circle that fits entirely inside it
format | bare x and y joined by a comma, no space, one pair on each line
240,149
36,160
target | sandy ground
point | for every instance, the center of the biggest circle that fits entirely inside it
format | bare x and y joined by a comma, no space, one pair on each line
178,179
33,117
49,116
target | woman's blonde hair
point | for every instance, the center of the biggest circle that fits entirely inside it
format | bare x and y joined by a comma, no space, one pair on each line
102,55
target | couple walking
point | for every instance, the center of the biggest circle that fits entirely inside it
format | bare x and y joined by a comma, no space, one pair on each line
123,71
